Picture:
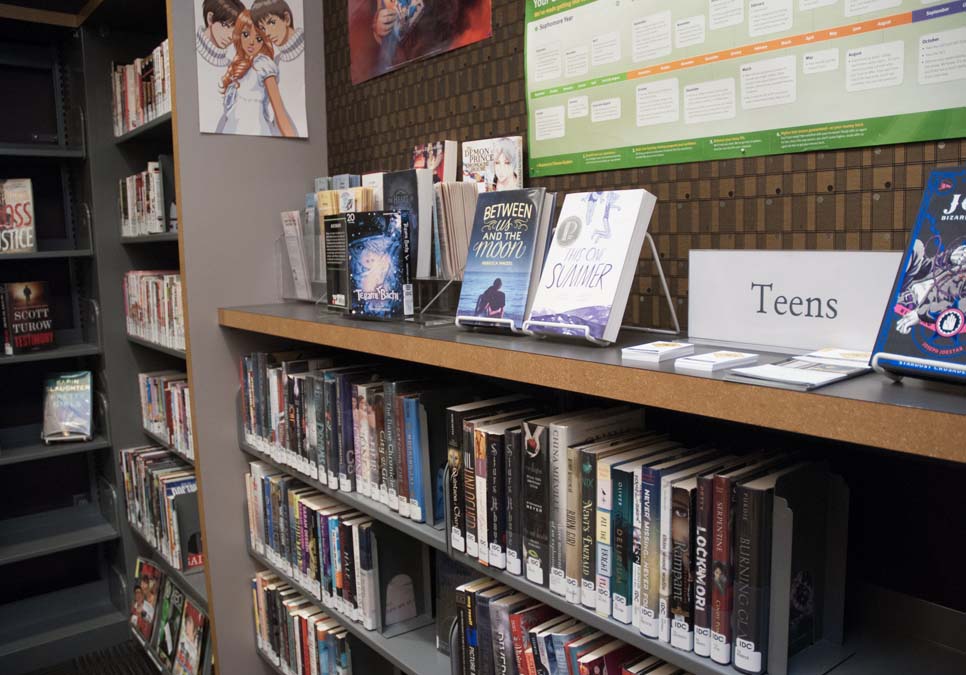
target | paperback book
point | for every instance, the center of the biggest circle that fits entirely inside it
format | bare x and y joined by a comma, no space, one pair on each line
67,407
147,590
17,227
378,254
505,258
439,157
193,627
412,191
494,163
591,264
28,322
336,261
166,633
923,331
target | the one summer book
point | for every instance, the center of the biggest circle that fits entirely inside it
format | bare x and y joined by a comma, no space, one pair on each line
923,331
505,257
591,264
378,254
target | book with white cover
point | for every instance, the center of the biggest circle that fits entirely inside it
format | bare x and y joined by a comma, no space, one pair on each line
807,372
375,182
655,352
591,264
715,361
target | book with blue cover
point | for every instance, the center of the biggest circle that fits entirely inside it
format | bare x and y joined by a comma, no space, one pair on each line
68,403
591,264
378,254
505,258
923,331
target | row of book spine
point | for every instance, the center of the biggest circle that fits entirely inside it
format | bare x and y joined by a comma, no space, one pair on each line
162,504
505,632
141,90
663,535
359,428
170,625
153,307
166,409
141,202
294,633
324,545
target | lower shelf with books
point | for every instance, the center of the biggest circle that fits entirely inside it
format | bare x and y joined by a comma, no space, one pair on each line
162,441
413,652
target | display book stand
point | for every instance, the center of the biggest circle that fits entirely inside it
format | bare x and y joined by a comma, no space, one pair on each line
531,327
315,269
898,366
806,644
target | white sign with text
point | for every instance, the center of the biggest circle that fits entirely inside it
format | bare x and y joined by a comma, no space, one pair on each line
790,299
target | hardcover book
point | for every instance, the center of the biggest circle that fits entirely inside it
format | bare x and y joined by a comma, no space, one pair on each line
412,191
67,407
28,322
494,163
591,264
17,216
923,331
439,157
505,258
379,282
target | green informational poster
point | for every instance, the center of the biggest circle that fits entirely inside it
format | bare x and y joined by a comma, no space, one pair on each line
613,84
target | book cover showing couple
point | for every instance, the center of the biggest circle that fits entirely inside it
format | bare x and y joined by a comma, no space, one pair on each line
500,266
926,315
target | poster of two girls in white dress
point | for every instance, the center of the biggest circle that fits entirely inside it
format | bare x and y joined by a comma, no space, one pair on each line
251,67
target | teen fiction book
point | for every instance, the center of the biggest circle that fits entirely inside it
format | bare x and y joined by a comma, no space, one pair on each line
439,157
505,258
591,263
378,254
67,407
411,191
17,227
28,322
334,234
494,164
165,640
923,331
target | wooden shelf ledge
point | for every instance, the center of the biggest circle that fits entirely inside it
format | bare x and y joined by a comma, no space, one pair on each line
868,410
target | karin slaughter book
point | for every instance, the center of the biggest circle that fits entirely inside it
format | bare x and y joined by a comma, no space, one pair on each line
589,269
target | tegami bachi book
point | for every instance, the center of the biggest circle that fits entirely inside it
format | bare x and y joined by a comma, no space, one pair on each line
505,258
412,190
591,264
923,331
378,254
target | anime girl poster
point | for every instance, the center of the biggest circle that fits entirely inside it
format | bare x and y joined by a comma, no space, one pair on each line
251,67
385,34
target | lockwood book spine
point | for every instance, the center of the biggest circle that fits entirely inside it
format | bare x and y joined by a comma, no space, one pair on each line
380,286
703,535
29,319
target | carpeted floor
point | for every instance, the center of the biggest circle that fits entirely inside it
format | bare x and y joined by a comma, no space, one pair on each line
126,659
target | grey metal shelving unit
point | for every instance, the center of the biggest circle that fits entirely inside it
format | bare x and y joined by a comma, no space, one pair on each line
61,546
119,32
